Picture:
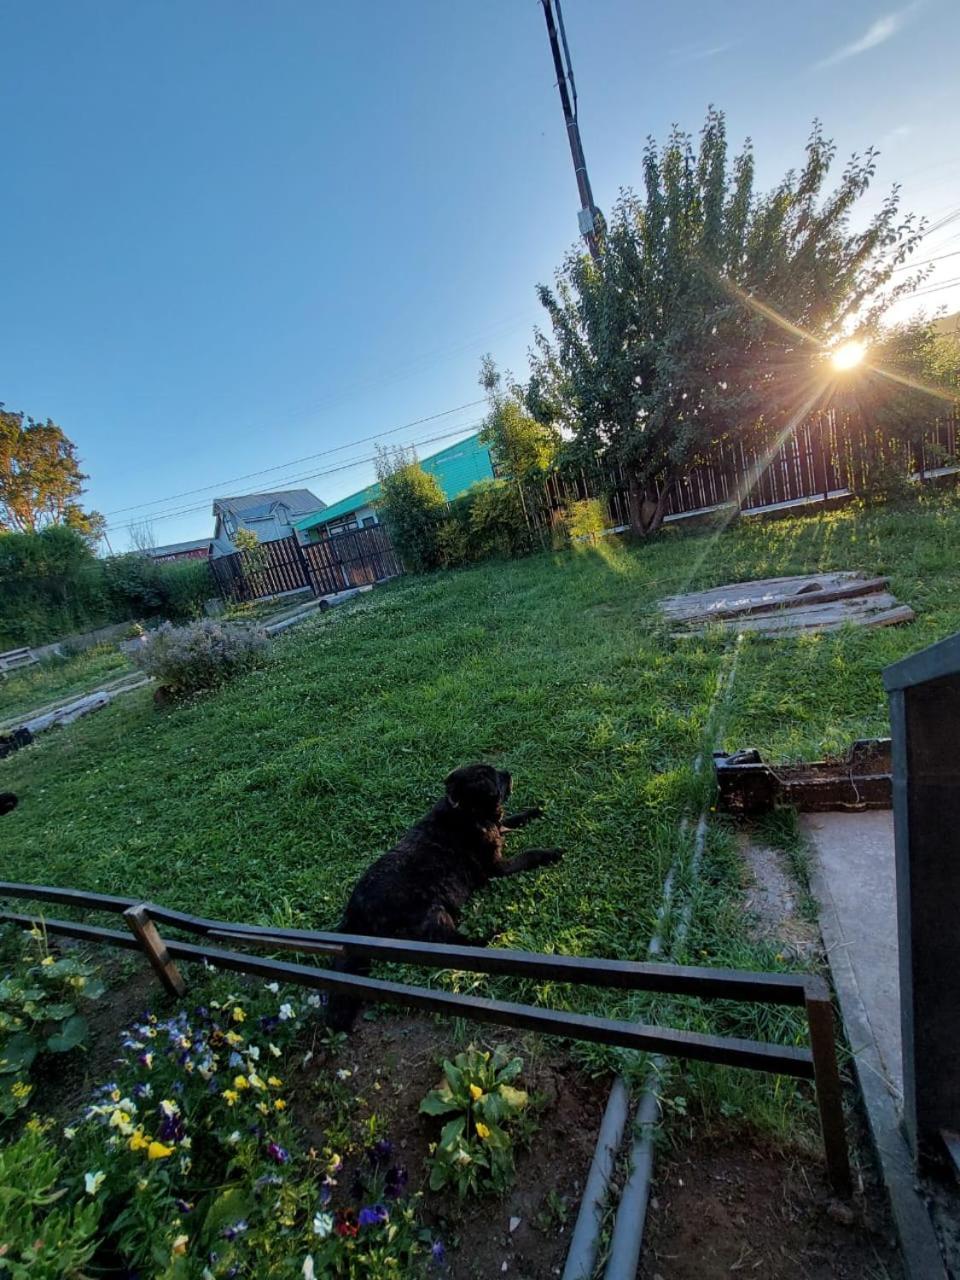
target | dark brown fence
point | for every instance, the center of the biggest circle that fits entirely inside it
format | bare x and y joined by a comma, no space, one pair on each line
809,991
354,559
830,455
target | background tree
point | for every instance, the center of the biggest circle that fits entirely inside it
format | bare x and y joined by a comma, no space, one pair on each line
909,379
706,317
40,478
142,536
522,448
412,506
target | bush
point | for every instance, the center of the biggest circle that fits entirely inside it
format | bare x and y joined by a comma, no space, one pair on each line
187,586
453,544
586,519
200,656
488,520
497,521
52,585
412,507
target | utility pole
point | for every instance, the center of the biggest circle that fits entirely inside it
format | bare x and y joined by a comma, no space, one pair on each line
568,99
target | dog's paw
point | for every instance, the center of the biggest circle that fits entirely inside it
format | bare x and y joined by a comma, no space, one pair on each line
536,811
550,857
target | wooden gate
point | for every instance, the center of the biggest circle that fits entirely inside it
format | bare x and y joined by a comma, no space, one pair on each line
353,559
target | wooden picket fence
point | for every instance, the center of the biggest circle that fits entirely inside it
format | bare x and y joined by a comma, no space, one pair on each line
353,559
829,455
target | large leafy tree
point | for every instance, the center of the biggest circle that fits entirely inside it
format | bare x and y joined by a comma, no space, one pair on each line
706,317
40,478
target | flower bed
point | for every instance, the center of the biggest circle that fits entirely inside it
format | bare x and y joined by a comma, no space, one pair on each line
231,1135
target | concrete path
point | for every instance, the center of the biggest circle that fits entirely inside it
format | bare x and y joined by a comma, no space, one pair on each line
852,878
856,864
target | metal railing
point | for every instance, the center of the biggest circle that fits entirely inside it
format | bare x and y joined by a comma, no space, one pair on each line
808,991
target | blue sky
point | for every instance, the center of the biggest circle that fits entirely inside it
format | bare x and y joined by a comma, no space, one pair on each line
235,234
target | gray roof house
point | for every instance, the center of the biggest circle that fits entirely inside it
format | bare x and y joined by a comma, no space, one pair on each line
268,515
198,549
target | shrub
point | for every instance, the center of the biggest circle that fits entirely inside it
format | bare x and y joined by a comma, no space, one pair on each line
498,523
186,586
586,519
39,998
411,505
475,1150
200,656
453,544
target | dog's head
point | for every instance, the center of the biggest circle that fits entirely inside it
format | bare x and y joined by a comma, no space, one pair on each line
479,789
8,801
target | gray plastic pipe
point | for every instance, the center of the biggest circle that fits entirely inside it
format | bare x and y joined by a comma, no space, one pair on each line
585,1243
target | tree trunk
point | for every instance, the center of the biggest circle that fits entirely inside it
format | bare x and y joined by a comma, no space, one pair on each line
647,508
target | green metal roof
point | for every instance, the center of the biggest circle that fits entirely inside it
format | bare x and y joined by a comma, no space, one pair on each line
458,468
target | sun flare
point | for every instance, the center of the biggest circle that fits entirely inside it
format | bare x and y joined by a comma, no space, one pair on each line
848,355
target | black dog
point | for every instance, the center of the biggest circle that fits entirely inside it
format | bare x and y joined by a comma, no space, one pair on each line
8,802
420,887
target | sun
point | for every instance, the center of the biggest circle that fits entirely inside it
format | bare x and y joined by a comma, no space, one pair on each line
848,355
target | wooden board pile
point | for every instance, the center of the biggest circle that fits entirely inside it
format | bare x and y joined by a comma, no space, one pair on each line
787,606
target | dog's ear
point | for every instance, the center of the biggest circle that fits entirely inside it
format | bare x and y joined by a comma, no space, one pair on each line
8,801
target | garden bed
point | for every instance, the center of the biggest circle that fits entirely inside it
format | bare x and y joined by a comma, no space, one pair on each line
730,1207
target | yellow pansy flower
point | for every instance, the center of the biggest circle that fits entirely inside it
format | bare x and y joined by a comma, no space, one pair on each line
238,1014
482,1131
241,1082
476,1093
158,1151
138,1142
230,1096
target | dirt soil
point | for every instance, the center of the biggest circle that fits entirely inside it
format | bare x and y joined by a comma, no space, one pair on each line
729,1209
395,1061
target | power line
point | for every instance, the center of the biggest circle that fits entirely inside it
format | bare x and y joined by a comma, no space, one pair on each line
925,262
293,462
310,475
946,284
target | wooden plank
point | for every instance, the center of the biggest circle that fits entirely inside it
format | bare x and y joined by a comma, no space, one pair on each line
743,595
767,603
145,931
872,611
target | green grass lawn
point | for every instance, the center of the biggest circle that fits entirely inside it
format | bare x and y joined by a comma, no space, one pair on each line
33,687
263,802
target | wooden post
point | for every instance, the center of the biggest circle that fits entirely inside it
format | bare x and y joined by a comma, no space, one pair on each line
304,563
145,931
827,1083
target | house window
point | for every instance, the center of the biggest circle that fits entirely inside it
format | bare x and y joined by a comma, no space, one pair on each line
368,521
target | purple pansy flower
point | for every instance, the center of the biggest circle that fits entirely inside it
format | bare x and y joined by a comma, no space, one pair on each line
438,1253
277,1153
235,1229
376,1215
396,1182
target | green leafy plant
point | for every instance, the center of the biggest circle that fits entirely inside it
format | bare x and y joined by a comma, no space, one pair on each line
42,1237
475,1152
40,995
